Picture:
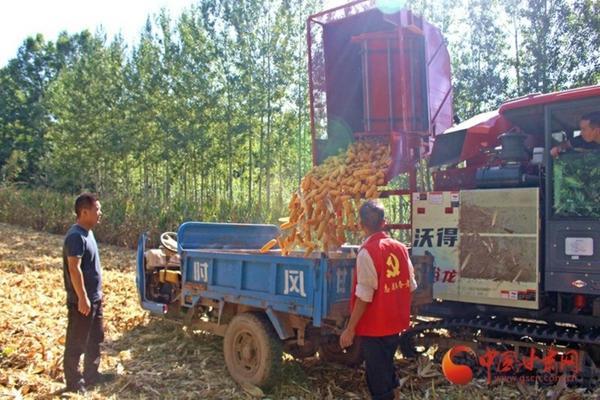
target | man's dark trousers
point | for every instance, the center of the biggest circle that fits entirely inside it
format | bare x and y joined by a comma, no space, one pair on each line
378,353
84,335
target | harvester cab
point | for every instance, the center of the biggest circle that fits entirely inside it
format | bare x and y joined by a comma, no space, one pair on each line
515,233
527,223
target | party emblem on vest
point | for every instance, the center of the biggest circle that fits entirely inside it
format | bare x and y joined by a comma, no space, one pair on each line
393,266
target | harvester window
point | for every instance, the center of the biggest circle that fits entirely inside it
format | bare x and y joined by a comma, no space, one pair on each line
574,171
577,184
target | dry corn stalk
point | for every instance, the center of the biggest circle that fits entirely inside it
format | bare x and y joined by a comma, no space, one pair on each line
324,208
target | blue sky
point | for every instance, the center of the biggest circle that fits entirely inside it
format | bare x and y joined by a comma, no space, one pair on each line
22,18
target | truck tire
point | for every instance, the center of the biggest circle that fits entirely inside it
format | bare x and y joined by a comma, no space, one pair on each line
330,351
252,350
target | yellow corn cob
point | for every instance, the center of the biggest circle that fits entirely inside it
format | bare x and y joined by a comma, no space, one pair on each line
288,225
322,210
268,245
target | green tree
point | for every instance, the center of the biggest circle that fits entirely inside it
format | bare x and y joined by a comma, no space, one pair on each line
546,45
479,60
584,43
23,118
87,147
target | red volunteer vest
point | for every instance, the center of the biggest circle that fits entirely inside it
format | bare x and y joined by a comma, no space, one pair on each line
389,312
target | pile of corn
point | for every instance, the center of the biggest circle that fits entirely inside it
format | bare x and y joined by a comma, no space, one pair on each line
324,209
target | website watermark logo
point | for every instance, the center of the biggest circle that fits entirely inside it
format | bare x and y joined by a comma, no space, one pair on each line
459,374
460,364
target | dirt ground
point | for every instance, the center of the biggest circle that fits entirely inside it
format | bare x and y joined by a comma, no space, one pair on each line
154,359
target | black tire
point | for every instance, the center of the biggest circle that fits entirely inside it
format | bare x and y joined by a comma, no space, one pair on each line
330,351
300,352
252,350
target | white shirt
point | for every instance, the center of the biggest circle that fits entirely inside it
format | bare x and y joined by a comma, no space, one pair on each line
366,276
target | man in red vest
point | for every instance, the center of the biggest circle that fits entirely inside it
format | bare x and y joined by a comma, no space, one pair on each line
381,295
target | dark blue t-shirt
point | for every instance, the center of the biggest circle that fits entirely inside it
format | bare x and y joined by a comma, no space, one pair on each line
82,243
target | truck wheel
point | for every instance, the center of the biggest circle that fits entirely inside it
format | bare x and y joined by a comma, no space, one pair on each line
252,350
330,351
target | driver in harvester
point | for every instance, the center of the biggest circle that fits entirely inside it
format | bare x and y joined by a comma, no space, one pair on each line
589,138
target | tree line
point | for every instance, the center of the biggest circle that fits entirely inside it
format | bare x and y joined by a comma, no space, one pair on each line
206,115
503,49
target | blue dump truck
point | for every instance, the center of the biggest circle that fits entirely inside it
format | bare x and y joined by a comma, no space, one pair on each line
212,277
216,280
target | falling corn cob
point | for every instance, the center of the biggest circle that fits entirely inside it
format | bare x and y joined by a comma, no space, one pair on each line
324,209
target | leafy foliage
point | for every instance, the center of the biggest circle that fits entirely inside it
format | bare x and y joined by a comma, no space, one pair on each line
480,67
577,184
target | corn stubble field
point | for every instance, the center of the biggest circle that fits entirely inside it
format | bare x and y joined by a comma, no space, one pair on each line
154,359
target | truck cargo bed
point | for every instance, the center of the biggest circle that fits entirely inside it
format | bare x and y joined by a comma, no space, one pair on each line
222,262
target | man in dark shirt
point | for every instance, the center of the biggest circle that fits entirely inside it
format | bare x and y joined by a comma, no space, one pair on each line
83,284
589,138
